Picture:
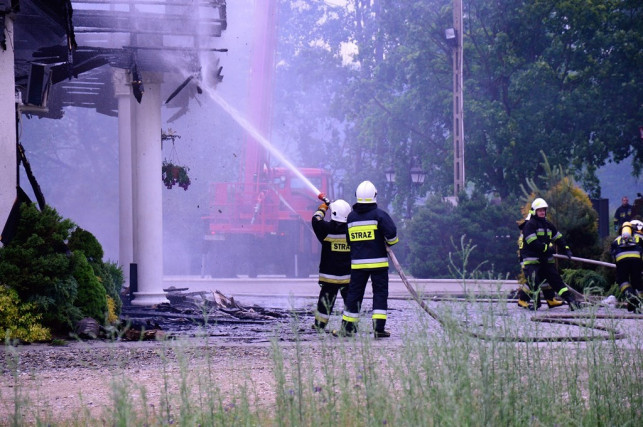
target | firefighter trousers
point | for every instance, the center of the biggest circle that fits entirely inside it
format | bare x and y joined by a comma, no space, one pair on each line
356,289
539,275
628,270
326,301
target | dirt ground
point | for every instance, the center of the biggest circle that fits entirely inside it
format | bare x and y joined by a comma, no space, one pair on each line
63,383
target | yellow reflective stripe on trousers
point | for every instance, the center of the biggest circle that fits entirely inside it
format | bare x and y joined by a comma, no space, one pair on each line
562,291
379,314
350,317
356,264
335,280
320,317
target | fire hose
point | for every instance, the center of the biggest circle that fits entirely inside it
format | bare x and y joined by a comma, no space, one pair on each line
585,260
567,320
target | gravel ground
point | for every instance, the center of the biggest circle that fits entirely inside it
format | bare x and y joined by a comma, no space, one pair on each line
66,381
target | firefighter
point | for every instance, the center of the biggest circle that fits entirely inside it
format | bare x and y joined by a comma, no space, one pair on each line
335,262
637,227
538,237
370,230
627,250
623,213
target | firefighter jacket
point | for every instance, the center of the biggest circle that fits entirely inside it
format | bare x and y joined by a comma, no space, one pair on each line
627,248
623,213
335,262
370,229
537,239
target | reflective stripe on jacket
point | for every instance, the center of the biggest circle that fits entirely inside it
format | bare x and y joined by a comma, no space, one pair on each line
370,229
335,260
623,248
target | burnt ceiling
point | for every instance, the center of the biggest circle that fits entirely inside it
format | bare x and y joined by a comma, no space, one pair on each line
73,45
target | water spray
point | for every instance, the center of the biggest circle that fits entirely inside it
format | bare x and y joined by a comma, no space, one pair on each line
245,124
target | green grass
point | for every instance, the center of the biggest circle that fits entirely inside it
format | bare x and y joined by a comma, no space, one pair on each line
433,376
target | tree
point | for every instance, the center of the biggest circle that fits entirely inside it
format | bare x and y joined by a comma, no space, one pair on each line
552,75
438,228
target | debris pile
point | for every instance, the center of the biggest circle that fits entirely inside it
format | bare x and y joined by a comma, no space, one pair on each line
188,310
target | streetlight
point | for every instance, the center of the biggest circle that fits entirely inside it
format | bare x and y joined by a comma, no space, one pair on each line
417,175
390,175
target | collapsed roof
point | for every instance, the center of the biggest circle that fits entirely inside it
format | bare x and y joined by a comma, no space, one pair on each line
64,50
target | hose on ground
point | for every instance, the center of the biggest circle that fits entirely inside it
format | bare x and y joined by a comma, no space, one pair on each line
612,334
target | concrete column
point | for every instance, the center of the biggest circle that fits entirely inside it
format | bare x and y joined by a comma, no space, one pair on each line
148,196
123,92
8,157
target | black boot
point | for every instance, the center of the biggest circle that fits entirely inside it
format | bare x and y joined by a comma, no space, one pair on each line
348,329
378,328
633,303
319,326
571,301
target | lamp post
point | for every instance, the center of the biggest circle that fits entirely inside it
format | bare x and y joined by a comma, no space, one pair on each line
390,175
416,176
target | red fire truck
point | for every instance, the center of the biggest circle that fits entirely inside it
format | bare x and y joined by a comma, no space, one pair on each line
263,227
261,223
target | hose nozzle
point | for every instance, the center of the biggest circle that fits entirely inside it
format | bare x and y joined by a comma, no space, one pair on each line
323,198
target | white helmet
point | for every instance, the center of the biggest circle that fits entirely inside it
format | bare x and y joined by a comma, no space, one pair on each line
538,204
638,225
366,192
339,210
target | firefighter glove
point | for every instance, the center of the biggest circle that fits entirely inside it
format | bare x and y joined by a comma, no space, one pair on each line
321,212
568,252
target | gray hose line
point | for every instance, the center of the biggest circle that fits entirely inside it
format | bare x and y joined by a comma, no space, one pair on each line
585,260
612,333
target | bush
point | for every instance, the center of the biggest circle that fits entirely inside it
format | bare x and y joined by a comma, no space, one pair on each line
109,274
586,281
18,320
83,240
437,228
38,265
91,299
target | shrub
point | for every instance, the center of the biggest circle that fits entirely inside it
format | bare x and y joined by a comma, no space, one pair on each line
37,264
61,287
92,298
83,240
586,281
111,276
18,320
436,231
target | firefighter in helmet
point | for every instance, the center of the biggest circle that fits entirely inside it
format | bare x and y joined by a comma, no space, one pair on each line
335,261
537,240
637,227
370,231
627,250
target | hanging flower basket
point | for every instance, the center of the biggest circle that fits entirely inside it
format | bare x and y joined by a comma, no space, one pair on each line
174,174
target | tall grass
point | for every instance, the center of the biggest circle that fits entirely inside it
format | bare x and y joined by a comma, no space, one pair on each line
432,375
